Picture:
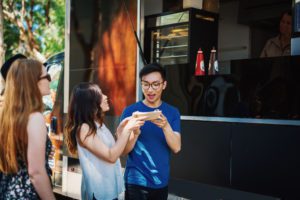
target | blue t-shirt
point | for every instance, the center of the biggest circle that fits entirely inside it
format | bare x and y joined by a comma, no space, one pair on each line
148,164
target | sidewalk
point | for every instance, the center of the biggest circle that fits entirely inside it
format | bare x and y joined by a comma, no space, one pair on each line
170,197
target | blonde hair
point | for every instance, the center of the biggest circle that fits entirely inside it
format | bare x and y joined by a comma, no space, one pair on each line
21,98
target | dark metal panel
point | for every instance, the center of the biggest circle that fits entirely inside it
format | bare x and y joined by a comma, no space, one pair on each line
194,190
205,153
266,159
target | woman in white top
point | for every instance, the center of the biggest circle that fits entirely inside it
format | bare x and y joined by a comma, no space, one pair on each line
98,152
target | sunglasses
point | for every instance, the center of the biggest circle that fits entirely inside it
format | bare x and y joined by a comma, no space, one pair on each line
47,76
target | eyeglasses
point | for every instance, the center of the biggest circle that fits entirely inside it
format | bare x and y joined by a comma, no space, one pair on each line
47,76
154,85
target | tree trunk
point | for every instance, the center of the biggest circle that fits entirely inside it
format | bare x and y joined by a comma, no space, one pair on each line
2,47
26,38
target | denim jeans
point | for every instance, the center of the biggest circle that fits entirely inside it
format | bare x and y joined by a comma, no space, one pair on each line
136,192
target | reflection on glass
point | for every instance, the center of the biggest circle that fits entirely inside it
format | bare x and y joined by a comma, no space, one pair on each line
54,72
297,16
53,115
170,45
172,18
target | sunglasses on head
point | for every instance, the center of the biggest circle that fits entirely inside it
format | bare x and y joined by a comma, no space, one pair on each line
47,76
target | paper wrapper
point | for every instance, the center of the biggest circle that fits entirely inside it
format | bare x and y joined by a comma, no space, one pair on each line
149,115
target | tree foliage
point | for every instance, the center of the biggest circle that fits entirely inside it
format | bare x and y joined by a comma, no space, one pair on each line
34,27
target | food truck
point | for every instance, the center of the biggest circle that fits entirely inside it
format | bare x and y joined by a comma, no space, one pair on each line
240,125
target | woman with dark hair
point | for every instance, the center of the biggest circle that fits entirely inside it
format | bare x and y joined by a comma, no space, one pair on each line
281,44
24,143
87,135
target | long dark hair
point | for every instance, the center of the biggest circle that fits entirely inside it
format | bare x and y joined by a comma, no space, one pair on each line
84,107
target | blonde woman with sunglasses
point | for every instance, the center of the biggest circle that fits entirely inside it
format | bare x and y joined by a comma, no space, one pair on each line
24,143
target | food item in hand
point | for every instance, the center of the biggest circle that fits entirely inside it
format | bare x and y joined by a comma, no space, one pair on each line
149,115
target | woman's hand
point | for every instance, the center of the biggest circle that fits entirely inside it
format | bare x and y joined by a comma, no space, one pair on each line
122,124
1,101
134,124
131,124
137,132
133,129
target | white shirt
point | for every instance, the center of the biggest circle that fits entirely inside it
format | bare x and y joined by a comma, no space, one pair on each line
100,179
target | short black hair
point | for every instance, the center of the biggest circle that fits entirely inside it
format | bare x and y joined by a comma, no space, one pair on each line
153,67
6,66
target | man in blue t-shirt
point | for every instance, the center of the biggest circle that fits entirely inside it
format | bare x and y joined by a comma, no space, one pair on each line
148,163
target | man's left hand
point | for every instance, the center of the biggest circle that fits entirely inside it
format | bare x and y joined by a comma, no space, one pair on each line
161,122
